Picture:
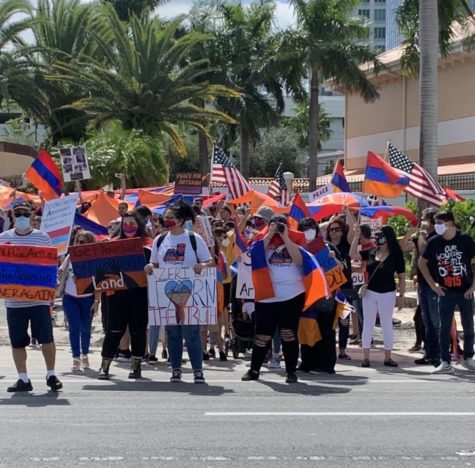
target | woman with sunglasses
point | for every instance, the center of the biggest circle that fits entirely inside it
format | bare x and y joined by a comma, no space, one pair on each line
180,247
79,309
384,263
128,308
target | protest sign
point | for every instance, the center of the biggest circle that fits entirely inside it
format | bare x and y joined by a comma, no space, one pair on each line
244,285
57,220
28,273
178,295
188,183
333,273
203,228
358,278
74,163
320,192
109,266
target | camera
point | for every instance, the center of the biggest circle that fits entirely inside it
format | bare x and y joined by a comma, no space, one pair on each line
281,228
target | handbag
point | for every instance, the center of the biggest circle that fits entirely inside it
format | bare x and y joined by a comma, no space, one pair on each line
364,287
63,277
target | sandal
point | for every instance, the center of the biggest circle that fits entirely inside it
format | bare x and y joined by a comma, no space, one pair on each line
390,363
365,363
344,356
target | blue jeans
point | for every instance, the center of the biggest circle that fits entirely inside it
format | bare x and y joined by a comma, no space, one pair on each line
276,342
430,316
153,338
78,313
447,305
192,336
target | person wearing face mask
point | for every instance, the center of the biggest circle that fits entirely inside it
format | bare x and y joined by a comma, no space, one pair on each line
261,218
448,265
127,308
180,247
20,313
384,263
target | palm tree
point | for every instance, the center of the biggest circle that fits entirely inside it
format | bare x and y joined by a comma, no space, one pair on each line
146,80
329,36
127,8
428,27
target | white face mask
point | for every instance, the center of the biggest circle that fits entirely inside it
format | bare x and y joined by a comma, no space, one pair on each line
440,228
310,234
22,222
225,242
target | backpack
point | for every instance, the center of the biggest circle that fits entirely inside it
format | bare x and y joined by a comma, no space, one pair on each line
192,236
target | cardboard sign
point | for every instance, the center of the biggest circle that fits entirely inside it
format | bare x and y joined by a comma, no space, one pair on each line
333,273
188,183
320,192
74,163
358,278
57,220
203,228
244,285
107,266
179,296
28,273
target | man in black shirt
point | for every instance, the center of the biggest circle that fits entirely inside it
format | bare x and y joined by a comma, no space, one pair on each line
452,255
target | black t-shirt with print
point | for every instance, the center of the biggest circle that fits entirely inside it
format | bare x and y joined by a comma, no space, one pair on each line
452,259
383,280
344,250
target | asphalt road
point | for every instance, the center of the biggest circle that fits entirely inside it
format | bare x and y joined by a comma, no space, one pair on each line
359,417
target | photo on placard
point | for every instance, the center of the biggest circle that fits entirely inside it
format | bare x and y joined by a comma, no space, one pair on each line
65,152
68,168
79,154
77,176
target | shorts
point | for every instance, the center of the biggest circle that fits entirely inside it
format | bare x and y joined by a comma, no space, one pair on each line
18,320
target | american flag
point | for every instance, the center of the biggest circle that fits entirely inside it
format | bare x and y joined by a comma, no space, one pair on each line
223,172
278,188
421,184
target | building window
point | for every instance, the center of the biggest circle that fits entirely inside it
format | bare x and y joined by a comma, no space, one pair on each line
364,13
380,33
380,15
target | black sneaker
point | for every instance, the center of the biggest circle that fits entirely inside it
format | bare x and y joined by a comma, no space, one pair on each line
212,353
423,361
123,355
176,375
199,376
164,354
222,356
54,383
205,356
20,386
250,375
103,374
291,377
151,359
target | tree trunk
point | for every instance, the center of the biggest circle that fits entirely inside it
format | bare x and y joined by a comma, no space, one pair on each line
245,146
313,116
204,154
428,84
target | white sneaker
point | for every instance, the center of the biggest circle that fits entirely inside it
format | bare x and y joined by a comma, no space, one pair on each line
76,367
274,363
469,364
444,368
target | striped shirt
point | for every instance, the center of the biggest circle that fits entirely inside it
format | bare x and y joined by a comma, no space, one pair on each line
35,238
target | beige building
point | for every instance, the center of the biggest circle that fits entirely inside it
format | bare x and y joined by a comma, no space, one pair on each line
395,117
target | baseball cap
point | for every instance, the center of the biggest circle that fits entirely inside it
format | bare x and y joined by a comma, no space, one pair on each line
22,206
264,212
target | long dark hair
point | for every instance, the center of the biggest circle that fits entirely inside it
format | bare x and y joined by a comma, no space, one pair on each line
182,211
343,227
141,231
391,239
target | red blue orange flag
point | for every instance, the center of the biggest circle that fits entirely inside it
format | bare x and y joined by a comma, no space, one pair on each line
45,176
298,211
382,179
338,180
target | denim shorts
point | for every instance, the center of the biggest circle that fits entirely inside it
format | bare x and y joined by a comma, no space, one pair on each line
41,325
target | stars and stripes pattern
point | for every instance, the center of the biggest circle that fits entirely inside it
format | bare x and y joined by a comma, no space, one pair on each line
224,173
421,184
278,188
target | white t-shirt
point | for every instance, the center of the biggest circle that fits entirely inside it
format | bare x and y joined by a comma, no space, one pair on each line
177,250
286,276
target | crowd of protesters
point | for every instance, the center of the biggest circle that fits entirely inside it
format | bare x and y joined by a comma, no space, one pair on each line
443,270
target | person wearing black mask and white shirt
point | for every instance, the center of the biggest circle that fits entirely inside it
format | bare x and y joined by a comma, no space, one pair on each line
451,254
21,313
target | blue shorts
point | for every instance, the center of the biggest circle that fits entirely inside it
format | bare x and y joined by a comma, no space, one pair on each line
41,325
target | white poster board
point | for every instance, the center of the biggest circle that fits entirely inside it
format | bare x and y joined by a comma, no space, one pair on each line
203,228
320,192
244,285
177,295
74,163
57,220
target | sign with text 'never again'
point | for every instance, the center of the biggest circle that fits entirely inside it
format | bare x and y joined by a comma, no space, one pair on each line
28,273
179,296
106,266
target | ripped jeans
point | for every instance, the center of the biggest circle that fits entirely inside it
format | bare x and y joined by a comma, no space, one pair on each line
285,315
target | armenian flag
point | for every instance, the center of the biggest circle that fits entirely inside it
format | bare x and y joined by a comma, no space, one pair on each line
382,179
338,180
298,211
45,176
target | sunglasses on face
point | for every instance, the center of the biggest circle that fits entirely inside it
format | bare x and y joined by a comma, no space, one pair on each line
18,214
335,229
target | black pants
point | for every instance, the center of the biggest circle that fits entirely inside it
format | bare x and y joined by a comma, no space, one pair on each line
286,316
128,307
419,326
322,356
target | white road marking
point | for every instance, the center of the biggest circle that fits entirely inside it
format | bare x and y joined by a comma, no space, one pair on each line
339,413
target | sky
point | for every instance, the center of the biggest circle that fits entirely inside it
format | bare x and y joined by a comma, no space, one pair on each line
283,13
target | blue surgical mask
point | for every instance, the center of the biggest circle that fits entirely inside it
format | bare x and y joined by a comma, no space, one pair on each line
22,222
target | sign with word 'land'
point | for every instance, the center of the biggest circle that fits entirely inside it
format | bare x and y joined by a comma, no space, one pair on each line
179,296
57,220
107,266
28,273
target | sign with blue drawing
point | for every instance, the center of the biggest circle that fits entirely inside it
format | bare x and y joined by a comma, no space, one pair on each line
179,296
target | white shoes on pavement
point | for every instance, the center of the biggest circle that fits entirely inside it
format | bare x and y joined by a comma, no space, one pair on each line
469,364
444,368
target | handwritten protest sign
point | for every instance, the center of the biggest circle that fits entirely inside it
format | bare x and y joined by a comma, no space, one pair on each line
177,295
57,220
188,182
244,285
321,192
333,273
74,163
109,266
28,273
203,228
358,278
